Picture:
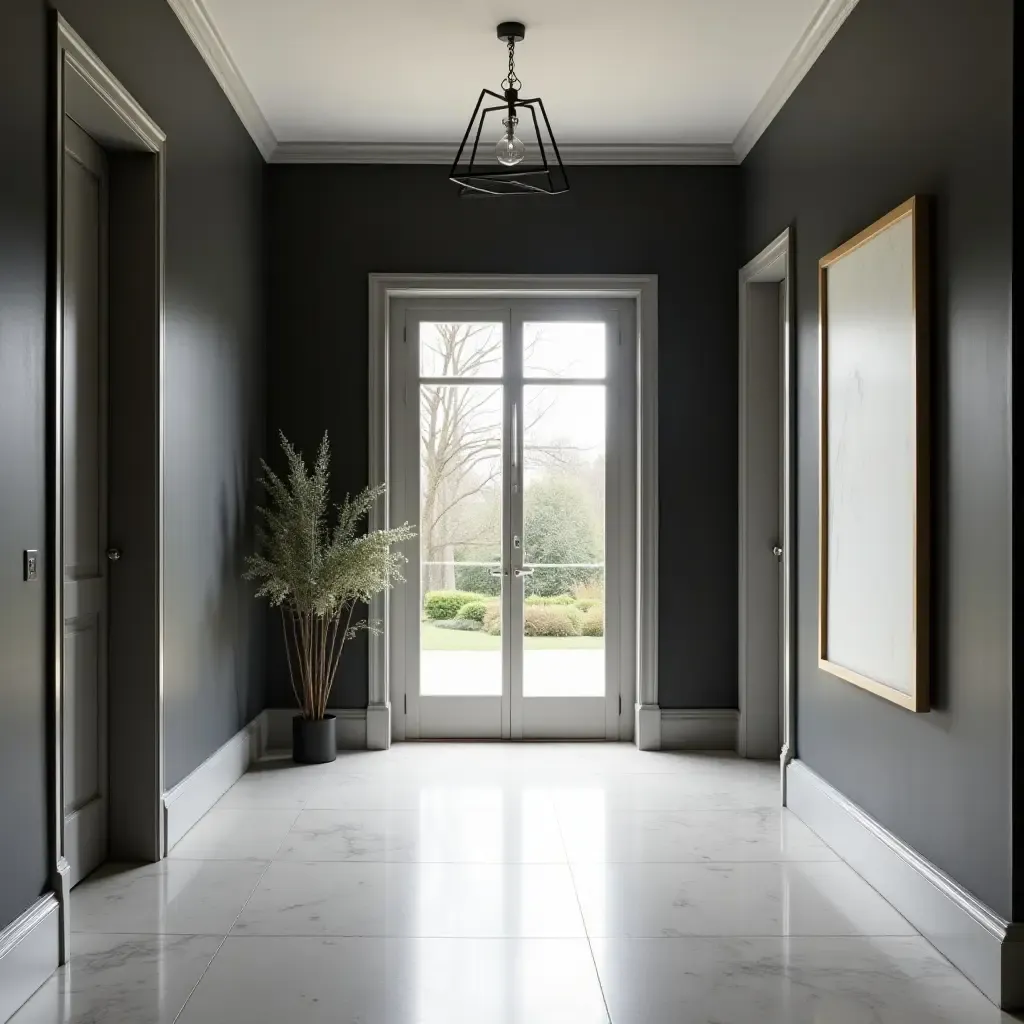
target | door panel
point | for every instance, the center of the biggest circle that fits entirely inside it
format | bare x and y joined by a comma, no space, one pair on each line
84,503
81,712
760,653
564,468
461,524
449,463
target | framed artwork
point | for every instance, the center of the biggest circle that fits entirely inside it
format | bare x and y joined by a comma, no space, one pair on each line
873,571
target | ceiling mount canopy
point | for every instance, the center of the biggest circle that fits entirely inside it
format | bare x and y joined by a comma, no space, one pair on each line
525,159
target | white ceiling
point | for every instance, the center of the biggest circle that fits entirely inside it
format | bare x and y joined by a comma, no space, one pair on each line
620,72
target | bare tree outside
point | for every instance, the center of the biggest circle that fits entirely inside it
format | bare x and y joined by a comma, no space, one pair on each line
461,448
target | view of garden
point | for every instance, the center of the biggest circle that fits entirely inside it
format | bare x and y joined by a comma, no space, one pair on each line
461,503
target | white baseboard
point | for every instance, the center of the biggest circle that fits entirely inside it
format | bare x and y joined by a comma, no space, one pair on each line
29,953
378,727
351,728
975,939
698,728
647,726
191,798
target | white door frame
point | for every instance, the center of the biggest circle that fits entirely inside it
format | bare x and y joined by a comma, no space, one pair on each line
509,716
86,91
645,726
774,264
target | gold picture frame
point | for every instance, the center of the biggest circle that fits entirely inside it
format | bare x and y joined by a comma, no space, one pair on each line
874,496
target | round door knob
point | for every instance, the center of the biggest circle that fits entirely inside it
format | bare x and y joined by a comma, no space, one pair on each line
113,554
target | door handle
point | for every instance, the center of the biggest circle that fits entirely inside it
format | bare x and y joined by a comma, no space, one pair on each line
114,554
522,572
777,551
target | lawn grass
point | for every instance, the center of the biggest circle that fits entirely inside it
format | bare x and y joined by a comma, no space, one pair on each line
434,639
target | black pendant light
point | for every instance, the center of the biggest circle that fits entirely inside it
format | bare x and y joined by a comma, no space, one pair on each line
525,159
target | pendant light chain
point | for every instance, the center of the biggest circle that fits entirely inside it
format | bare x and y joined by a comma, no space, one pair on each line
512,81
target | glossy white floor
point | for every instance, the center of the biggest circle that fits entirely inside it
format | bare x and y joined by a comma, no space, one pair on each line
500,883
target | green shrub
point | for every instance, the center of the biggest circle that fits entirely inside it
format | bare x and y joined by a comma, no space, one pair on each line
586,603
552,620
477,579
474,610
492,619
593,620
543,602
445,604
464,625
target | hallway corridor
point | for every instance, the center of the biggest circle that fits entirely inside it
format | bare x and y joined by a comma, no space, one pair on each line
541,884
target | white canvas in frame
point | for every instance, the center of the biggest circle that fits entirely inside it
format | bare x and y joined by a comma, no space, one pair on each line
874,495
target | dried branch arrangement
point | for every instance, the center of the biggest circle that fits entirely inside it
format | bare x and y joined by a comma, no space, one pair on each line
318,573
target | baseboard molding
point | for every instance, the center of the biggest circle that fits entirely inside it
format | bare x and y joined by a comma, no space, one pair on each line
29,953
698,728
351,728
976,940
191,798
647,726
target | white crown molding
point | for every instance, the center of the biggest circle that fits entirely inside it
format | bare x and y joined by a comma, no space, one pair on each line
824,25
444,153
202,31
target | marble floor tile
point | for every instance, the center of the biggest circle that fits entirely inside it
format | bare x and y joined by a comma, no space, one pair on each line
183,897
122,979
424,900
399,981
710,791
666,900
403,792
521,832
593,834
277,792
501,883
235,834
786,981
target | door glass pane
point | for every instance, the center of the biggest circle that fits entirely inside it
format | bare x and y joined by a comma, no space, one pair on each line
460,546
562,349
564,540
460,349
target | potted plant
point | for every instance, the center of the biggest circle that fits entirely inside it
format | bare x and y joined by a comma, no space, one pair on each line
318,574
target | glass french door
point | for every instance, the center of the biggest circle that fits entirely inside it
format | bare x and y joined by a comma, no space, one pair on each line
512,448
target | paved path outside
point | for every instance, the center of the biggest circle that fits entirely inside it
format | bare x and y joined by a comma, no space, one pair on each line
545,673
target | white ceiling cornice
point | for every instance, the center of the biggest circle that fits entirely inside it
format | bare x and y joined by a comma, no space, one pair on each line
444,153
201,29
824,25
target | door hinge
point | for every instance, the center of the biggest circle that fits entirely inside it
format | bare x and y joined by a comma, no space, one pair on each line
405,704
405,334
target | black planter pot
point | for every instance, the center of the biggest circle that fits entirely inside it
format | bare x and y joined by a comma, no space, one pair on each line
313,740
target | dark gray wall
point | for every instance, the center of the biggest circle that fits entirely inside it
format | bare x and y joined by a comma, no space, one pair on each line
214,399
908,101
329,227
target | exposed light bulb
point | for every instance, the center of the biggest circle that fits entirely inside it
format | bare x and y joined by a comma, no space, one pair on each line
510,149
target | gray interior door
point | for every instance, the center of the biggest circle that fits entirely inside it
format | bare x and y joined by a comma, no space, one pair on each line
760,647
84,493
